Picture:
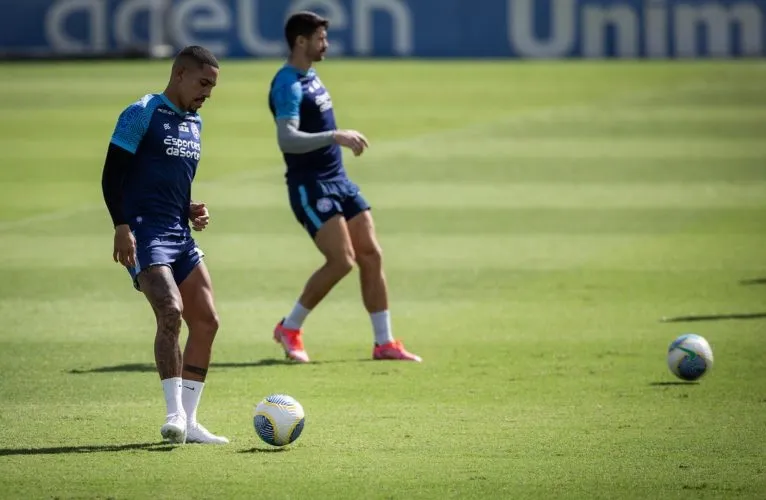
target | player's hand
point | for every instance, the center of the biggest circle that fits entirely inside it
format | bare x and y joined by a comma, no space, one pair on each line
353,140
124,246
199,216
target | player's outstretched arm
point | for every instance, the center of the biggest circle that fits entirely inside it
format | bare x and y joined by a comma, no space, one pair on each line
292,140
287,98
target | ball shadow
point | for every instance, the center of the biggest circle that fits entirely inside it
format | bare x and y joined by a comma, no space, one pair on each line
265,450
667,384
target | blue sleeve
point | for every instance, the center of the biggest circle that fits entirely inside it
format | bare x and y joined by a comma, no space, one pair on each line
286,96
132,125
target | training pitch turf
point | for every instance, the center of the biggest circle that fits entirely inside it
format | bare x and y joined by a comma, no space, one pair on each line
538,221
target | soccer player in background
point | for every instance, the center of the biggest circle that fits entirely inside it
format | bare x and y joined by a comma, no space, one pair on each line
150,164
324,200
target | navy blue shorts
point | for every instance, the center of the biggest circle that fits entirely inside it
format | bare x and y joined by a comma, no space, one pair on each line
180,253
316,202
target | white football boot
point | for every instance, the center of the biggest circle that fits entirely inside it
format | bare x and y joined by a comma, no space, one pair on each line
174,429
196,433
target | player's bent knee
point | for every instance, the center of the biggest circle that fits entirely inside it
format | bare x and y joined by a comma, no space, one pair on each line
214,323
341,261
371,256
342,265
202,318
345,266
169,315
209,325
348,264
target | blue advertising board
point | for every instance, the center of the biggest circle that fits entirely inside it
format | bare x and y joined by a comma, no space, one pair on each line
397,28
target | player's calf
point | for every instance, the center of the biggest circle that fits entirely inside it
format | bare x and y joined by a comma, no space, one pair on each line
199,346
334,242
369,256
372,279
202,321
161,291
167,353
324,280
159,287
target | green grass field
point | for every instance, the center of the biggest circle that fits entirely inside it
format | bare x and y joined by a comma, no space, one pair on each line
538,221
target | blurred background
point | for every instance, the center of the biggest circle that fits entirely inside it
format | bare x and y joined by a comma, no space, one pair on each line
389,28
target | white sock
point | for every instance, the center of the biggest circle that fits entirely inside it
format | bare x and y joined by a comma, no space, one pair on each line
381,325
192,391
296,318
172,389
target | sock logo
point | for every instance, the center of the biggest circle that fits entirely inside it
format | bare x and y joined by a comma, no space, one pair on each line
190,388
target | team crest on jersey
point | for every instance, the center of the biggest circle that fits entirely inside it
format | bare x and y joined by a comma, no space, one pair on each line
183,127
195,130
324,205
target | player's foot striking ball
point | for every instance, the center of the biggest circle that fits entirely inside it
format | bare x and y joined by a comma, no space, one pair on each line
323,198
147,179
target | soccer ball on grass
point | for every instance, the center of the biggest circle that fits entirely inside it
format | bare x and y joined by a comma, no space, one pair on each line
690,357
279,419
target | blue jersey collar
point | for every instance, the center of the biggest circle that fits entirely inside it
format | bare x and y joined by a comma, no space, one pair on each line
310,71
171,105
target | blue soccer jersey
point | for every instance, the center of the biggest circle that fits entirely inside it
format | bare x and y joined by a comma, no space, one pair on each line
166,145
297,95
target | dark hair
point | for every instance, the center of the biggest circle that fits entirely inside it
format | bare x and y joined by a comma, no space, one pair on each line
194,54
303,24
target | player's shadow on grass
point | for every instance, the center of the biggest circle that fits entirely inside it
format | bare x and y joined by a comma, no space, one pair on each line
160,446
666,384
713,317
150,367
756,281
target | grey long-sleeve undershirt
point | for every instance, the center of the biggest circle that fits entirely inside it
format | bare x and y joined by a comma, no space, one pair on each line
293,141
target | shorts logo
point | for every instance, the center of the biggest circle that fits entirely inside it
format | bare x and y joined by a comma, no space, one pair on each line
324,205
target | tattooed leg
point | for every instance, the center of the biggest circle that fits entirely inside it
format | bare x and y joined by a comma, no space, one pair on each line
160,289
